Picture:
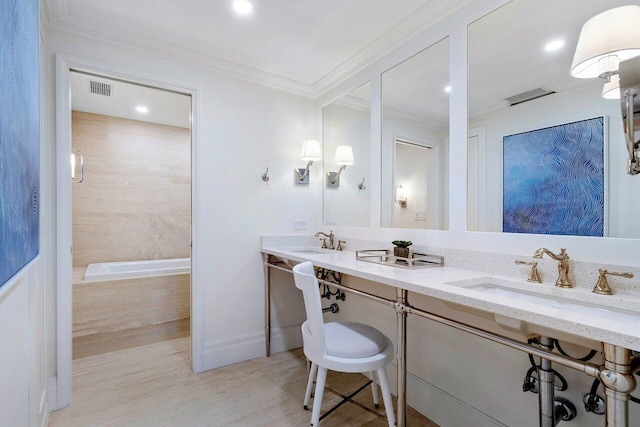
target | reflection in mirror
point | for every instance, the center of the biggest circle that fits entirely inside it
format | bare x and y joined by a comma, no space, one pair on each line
346,122
415,140
570,161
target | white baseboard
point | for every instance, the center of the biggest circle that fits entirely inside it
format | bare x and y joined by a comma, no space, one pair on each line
43,416
287,338
439,406
238,349
52,393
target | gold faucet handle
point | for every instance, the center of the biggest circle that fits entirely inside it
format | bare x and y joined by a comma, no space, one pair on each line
340,242
602,286
533,274
324,243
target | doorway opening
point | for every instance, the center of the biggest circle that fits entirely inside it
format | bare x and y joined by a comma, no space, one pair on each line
131,190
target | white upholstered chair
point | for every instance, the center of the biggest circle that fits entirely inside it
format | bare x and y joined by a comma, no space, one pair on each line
340,346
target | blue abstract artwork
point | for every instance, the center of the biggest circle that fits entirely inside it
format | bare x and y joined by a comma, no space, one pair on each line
19,135
553,180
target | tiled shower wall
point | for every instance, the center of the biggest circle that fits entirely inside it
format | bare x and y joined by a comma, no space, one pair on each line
135,201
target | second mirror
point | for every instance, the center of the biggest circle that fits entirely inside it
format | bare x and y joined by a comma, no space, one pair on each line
415,141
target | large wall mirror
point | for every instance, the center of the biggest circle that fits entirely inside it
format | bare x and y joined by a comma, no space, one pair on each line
346,128
415,141
546,151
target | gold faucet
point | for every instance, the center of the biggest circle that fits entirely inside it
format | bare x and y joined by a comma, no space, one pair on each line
602,286
330,236
563,265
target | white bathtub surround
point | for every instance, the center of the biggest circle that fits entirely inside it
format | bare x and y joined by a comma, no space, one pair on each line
135,269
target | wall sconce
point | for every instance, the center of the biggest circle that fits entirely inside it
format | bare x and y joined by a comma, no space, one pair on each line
401,196
344,158
606,40
310,152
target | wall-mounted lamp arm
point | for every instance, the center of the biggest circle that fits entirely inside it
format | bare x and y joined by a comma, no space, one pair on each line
334,177
633,167
303,173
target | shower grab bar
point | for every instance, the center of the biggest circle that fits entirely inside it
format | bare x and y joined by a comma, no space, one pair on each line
73,166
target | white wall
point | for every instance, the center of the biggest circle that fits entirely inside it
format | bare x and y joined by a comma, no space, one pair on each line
23,390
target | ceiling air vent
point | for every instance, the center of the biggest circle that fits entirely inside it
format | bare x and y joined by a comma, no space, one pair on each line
100,88
528,96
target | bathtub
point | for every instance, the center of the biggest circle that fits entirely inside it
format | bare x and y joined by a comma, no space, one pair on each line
135,269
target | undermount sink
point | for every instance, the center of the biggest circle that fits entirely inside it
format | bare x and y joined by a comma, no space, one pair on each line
495,287
309,250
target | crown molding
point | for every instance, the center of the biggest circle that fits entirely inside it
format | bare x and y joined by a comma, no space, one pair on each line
433,12
56,17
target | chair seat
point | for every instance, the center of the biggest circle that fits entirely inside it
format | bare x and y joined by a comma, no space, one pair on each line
353,340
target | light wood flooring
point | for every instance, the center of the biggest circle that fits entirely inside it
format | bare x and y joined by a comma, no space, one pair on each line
153,385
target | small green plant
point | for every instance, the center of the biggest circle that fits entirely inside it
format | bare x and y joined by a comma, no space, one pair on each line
402,243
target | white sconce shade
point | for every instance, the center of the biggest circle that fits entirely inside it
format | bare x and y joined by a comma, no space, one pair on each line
401,196
344,155
311,150
605,41
611,89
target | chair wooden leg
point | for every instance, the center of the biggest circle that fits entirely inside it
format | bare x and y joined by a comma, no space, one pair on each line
374,388
312,376
317,398
386,396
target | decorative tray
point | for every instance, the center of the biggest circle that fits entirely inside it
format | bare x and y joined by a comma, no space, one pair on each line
385,257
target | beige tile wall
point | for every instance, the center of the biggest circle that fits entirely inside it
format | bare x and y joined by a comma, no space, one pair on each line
135,201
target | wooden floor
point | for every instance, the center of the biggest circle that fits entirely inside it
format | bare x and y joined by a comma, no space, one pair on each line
153,385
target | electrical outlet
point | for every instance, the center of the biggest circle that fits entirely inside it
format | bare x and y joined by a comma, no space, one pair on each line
299,225
420,215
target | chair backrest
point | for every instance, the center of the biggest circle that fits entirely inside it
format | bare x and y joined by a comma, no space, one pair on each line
306,281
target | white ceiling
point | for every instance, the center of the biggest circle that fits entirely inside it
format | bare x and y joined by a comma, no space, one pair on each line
165,107
303,46
309,47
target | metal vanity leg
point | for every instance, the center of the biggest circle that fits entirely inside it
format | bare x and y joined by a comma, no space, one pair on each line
267,304
618,382
547,380
401,344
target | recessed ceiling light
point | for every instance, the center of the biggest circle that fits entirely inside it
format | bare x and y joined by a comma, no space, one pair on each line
554,45
447,89
142,109
243,7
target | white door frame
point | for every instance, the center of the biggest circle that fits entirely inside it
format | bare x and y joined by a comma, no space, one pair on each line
64,65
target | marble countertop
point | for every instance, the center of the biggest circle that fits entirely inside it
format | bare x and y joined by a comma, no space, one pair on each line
437,282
